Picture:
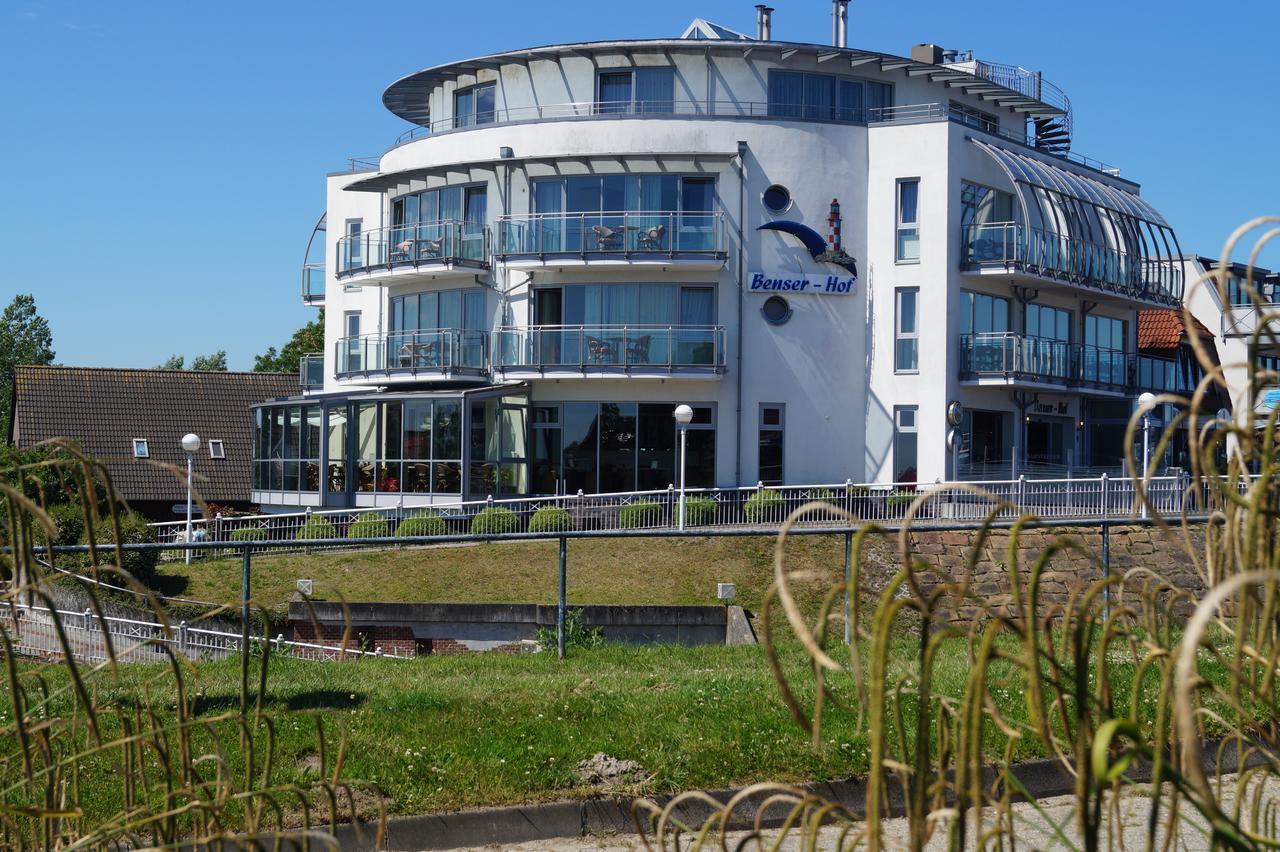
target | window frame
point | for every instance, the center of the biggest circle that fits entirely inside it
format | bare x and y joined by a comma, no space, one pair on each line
899,430
900,335
141,444
781,428
473,116
900,226
217,448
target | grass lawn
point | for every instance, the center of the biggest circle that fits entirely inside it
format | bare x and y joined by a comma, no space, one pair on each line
600,571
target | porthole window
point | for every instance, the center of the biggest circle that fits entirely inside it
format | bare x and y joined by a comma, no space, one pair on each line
776,198
776,310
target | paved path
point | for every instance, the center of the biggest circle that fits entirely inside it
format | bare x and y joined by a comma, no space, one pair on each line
1033,830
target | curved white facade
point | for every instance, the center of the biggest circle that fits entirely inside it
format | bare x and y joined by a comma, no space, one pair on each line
593,236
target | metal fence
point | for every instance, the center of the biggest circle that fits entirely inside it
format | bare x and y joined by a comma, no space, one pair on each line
34,632
760,507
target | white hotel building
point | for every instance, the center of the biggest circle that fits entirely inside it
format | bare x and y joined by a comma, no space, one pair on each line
571,240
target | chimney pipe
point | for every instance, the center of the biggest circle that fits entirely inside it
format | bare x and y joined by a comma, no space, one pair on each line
764,23
842,17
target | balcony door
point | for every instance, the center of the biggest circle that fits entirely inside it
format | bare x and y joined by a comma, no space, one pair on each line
1048,342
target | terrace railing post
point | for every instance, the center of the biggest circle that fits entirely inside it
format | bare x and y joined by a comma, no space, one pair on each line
244,589
560,608
1105,497
182,637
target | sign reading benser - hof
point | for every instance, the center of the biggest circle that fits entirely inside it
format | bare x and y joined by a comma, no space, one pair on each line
819,285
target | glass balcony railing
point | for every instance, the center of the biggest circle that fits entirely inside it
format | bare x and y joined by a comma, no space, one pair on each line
439,243
612,235
432,351
583,347
1037,359
311,372
1011,245
313,283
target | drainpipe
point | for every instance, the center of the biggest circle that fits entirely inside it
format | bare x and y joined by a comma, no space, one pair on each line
740,162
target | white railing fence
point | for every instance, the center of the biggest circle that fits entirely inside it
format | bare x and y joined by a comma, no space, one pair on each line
33,631
764,507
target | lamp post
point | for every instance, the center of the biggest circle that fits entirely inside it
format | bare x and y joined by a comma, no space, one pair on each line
191,444
684,416
1144,403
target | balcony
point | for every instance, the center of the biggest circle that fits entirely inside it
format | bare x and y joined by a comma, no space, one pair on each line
311,372
609,350
1008,247
692,240
313,284
440,354
1004,358
413,252
1262,319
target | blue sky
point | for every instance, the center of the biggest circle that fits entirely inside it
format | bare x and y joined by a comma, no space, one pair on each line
165,160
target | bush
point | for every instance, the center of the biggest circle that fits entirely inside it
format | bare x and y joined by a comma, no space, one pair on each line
141,564
495,520
550,519
639,515
68,524
764,505
422,523
248,534
899,502
698,511
316,527
369,525
576,634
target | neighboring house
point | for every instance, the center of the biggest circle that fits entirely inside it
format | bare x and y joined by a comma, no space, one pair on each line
1234,322
1167,360
569,241
134,420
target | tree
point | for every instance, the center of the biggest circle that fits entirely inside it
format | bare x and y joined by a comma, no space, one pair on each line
24,339
173,362
306,340
216,361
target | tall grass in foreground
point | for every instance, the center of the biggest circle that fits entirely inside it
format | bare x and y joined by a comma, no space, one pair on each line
929,746
185,775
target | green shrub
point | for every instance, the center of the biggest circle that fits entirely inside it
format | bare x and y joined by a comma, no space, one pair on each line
895,502
698,511
68,525
576,634
639,515
248,534
824,494
316,527
764,505
141,564
369,525
495,520
859,491
422,523
550,519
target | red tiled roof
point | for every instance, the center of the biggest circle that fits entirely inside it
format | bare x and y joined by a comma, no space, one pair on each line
1163,329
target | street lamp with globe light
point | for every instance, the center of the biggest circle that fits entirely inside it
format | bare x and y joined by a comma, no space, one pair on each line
191,445
1144,405
684,416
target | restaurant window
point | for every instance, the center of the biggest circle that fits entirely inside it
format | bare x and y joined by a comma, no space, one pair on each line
474,105
906,350
771,444
618,446
498,446
401,446
908,221
638,90
287,448
826,97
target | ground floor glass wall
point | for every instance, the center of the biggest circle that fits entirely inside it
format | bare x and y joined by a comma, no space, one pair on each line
286,447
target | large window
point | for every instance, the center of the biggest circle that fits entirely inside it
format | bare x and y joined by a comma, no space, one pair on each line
474,105
404,446
1047,348
425,225
826,97
905,428
422,327
975,117
499,454
1104,359
639,90
984,323
983,206
287,448
908,221
617,446
906,349
771,443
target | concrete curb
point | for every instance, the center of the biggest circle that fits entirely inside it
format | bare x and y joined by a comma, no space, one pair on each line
554,820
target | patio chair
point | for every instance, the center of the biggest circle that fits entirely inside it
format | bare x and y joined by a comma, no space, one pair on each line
406,355
651,238
607,238
638,350
430,248
598,350
402,250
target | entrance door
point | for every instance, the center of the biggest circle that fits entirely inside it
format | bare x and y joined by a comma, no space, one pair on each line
1046,442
